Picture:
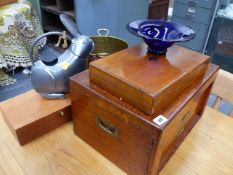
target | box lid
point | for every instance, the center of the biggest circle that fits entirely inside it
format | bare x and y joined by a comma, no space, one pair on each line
147,81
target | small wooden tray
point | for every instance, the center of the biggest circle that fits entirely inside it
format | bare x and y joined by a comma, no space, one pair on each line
30,116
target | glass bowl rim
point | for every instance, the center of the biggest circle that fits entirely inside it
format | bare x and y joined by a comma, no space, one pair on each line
139,23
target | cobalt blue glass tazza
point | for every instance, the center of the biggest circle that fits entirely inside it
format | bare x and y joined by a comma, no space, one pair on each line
160,35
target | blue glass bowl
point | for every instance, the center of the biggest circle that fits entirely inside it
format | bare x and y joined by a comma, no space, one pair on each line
160,35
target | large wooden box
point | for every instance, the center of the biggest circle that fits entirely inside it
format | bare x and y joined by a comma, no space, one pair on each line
140,144
146,81
94,14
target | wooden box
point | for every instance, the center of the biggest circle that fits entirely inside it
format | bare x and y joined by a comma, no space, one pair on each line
138,143
147,81
30,116
5,2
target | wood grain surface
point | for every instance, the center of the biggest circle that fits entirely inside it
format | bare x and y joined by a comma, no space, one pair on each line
145,80
142,147
207,150
29,115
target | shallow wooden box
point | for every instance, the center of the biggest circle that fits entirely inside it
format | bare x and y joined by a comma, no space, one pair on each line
30,116
136,142
147,81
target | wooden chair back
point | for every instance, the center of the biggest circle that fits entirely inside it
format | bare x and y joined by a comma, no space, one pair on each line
223,89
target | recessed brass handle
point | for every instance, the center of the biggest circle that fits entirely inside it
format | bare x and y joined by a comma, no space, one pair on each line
185,117
183,122
108,128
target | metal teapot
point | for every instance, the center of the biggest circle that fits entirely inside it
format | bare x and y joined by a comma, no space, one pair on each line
51,79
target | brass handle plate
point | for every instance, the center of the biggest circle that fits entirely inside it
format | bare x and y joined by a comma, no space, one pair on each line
107,127
183,122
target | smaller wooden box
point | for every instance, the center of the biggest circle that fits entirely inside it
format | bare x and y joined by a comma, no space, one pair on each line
30,116
138,143
5,2
147,81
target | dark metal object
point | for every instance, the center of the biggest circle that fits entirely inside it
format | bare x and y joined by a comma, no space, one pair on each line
51,79
107,127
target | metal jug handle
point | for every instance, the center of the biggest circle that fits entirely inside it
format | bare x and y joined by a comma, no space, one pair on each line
40,38
100,32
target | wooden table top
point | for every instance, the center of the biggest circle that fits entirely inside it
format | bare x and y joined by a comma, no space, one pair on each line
207,150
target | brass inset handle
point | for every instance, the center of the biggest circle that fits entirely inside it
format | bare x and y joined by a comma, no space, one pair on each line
183,122
108,128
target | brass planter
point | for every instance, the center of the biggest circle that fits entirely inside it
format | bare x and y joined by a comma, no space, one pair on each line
105,45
